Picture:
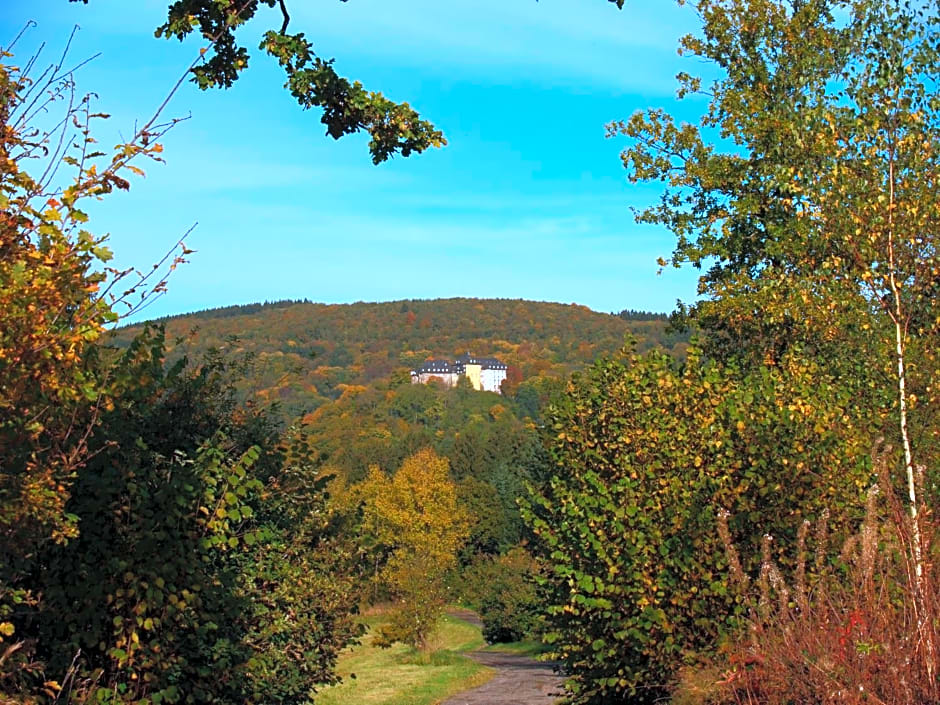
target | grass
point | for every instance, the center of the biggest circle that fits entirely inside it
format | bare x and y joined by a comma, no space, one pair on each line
530,648
402,675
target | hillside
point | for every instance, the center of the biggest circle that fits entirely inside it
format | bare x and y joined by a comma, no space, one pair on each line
304,354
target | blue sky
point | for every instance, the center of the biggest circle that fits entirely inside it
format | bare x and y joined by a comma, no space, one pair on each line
528,200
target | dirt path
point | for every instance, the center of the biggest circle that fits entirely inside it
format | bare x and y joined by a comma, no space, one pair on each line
519,680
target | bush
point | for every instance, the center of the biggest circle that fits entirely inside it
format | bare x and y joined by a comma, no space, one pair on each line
645,451
503,590
848,633
192,573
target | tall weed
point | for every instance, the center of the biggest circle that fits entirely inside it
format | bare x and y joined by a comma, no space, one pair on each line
849,630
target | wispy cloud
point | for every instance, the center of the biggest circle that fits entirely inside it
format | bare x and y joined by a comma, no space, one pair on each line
527,201
633,49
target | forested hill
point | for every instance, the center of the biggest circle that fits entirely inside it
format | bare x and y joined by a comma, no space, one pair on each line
306,353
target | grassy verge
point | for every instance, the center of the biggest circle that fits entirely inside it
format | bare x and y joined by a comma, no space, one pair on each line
403,676
522,648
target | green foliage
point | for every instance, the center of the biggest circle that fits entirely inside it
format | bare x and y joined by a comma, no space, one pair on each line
301,586
492,526
182,580
807,191
347,106
503,590
306,354
55,301
814,218
312,81
646,453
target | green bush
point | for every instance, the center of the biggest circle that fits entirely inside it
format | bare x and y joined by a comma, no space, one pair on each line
502,588
194,575
646,454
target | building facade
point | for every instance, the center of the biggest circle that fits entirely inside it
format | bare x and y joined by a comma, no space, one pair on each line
484,373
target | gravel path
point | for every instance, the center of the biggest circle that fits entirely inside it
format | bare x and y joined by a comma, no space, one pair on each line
519,680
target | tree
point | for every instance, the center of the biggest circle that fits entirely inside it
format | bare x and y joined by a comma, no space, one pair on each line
503,589
55,301
818,199
203,566
489,526
146,552
415,515
808,190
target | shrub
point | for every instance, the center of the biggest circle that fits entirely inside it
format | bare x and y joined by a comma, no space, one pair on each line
644,452
196,572
502,588
848,633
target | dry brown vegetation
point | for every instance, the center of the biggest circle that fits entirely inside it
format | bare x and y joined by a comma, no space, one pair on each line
853,630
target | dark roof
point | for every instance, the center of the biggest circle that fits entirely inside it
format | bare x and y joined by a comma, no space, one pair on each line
487,363
430,367
435,367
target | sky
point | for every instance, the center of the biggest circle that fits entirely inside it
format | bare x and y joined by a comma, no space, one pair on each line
528,199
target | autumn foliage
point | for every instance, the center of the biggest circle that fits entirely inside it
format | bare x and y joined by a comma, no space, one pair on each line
55,298
306,354
414,520
157,539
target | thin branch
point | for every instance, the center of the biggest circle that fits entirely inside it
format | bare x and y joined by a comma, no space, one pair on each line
54,68
65,51
77,66
142,305
29,25
53,166
284,12
40,84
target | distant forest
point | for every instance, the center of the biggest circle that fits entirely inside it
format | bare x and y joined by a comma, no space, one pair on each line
628,314
301,354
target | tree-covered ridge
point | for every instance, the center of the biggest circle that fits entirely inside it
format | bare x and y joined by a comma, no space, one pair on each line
304,354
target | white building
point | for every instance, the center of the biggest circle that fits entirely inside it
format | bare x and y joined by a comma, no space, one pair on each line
484,373
441,369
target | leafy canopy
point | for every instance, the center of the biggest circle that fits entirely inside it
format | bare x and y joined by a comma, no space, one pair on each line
415,518
807,185
646,454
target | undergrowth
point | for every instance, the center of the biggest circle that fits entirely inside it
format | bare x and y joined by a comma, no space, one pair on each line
852,630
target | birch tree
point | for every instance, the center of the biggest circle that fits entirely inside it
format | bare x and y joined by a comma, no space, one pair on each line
807,192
